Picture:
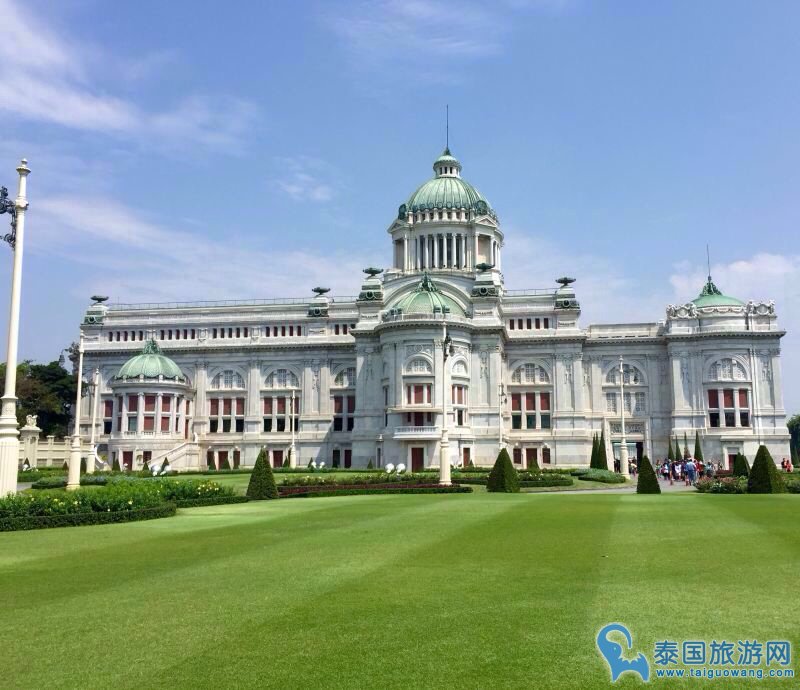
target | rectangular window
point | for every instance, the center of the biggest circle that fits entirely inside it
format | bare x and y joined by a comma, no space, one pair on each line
336,329
545,456
530,401
291,330
132,422
516,421
528,324
226,406
268,406
515,402
226,425
214,405
713,420
239,425
239,406
530,421
213,426
519,324
511,325
348,457
743,398
344,329
281,405
133,403
149,403
713,399
730,419
544,402
545,419
517,456
107,424
727,397
418,395
164,423
538,323
744,418
547,323
267,425
165,403
149,423
108,408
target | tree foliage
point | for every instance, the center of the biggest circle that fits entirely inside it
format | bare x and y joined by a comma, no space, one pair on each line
262,481
764,476
647,482
47,391
741,468
602,452
503,478
698,447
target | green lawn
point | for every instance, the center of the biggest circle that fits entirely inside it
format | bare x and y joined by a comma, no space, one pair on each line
467,591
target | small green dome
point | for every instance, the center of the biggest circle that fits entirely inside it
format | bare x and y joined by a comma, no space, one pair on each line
711,296
427,299
150,364
447,190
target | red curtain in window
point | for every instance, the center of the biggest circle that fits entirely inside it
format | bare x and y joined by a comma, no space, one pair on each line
164,423
149,423
713,400
133,403
267,405
351,403
516,401
530,401
337,404
418,395
226,406
239,405
214,406
149,403
281,405
544,401
108,408
743,398
727,397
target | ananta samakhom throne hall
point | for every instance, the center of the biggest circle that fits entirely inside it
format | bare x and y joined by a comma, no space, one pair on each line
433,350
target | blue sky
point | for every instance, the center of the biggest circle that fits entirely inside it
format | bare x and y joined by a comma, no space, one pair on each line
185,150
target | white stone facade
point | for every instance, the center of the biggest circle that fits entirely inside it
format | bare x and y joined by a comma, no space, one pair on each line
369,382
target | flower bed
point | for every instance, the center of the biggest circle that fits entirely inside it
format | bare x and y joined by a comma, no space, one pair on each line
354,490
59,508
723,485
527,480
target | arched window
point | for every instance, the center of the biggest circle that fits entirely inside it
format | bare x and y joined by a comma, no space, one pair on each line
460,369
282,378
346,378
227,380
530,373
631,375
418,365
727,369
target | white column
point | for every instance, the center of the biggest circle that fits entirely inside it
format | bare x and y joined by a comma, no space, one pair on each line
173,416
158,412
453,262
9,436
464,263
292,450
405,252
444,444
623,446
140,415
74,473
474,249
435,251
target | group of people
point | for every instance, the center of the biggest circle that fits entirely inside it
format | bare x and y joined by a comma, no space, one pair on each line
687,469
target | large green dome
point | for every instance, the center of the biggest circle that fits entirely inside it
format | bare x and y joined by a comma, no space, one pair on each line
447,191
711,296
150,364
427,299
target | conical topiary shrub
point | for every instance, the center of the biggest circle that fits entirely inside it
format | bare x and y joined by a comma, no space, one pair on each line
224,464
285,462
262,481
115,467
671,454
602,453
698,447
532,464
764,476
685,445
145,466
164,466
83,465
596,462
647,482
370,466
741,468
593,456
503,477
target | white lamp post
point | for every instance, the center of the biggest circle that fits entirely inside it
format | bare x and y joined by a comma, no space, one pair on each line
92,442
444,444
292,450
9,436
623,447
74,475
501,401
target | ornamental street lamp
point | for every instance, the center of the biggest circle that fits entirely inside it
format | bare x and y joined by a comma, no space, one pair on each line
444,445
9,436
74,475
623,445
502,399
92,443
292,450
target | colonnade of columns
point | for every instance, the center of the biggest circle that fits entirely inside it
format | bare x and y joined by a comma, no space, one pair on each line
439,250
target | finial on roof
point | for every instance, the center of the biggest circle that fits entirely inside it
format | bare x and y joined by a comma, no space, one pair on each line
151,348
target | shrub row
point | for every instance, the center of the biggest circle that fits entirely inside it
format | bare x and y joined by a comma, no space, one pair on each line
28,522
793,487
527,480
54,482
380,478
284,490
213,501
347,491
37,473
605,476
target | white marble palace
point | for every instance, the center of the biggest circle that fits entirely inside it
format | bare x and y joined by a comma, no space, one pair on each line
353,380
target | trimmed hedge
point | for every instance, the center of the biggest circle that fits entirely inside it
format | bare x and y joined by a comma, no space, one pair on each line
647,482
764,476
503,478
605,476
374,478
793,487
725,485
435,489
29,522
214,501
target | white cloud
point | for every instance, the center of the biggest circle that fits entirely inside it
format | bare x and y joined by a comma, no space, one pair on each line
139,260
46,78
304,178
